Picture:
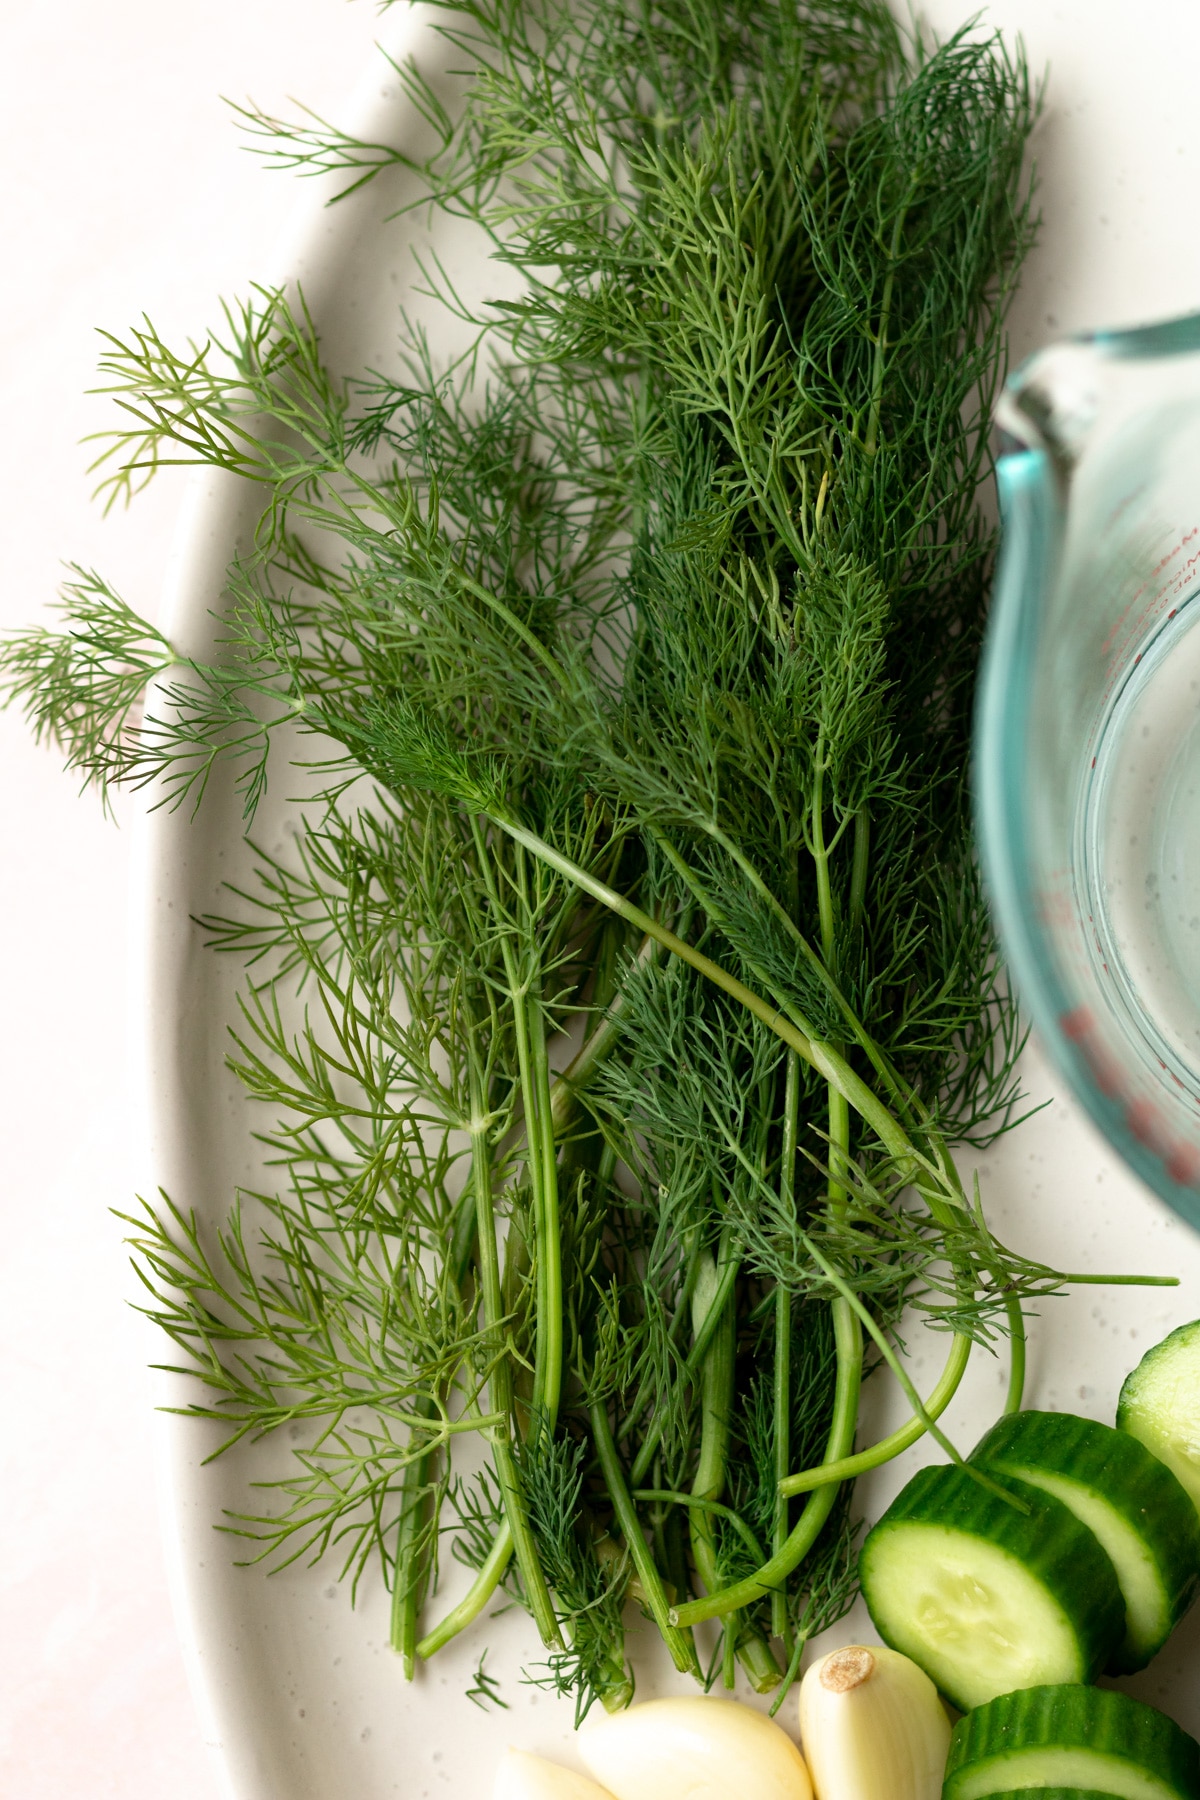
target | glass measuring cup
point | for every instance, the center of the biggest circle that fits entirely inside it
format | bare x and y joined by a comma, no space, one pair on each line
1087,755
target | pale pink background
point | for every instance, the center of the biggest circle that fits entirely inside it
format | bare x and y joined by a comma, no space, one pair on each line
124,190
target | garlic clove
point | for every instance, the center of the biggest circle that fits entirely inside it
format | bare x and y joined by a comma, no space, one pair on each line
873,1727
522,1776
691,1748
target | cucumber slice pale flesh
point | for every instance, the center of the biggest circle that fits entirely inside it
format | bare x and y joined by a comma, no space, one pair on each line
1127,1498
985,1597
1160,1405
1078,1739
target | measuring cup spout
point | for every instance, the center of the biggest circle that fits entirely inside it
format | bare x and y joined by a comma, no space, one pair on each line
1051,403
1087,747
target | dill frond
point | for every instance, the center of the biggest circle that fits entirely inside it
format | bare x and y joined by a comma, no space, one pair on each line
650,619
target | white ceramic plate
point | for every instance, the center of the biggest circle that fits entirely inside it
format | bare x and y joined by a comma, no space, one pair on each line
300,1695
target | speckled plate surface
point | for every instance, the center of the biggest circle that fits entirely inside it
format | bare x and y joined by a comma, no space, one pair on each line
301,1697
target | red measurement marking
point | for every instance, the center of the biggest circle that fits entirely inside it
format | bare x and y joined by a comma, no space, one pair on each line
1183,1165
1163,563
1142,1118
1145,1122
1077,1024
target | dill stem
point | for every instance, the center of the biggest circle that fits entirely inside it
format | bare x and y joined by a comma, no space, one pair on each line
727,1270
564,1103
499,1372
412,1554
828,1062
557,1105
716,1393
820,857
781,1391
1016,1367
716,1407
789,1674
879,1339
549,1358
907,1434
462,1251
672,1497
679,1643
729,1650
781,1397
848,1344
524,988
475,1599
534,1070
1088,1280
839,1117
839,1153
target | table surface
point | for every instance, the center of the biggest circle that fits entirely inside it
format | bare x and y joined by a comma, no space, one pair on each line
128,192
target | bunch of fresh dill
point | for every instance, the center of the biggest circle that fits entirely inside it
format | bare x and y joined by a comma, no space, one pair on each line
652,625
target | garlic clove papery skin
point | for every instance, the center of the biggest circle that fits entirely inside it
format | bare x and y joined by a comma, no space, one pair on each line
522,1776
691,1748
872,1727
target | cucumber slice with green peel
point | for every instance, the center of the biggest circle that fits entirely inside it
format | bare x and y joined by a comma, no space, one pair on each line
1160,1405
1124,1495
984,1597
1082,1739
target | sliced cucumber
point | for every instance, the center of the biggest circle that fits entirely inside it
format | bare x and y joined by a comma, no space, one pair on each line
1160,1405
1125,1496
1083,1739
987,1598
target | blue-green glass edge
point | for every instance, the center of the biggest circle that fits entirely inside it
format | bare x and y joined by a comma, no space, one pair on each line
1165,337
1031,531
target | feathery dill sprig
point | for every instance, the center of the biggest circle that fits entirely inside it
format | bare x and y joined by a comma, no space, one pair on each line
651,618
